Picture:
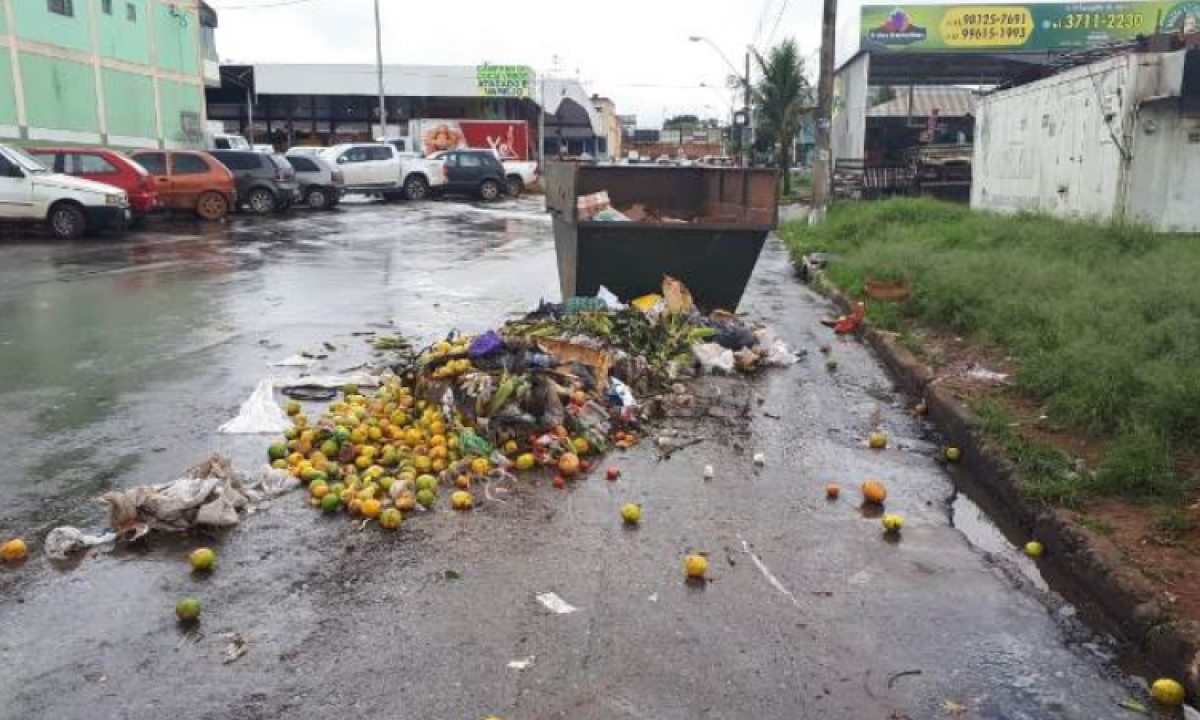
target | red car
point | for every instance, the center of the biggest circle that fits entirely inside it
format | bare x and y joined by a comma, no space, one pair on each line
108,167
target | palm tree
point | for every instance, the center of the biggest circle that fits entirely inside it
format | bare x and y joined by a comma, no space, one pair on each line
783,95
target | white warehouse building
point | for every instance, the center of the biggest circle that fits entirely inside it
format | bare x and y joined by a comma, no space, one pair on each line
1117,140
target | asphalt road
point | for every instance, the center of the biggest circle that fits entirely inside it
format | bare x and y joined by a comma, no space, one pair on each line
122,358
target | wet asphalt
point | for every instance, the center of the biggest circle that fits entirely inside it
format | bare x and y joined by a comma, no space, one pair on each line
121,358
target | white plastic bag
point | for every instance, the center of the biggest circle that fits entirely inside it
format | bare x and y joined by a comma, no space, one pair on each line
259,415
775,351
713,358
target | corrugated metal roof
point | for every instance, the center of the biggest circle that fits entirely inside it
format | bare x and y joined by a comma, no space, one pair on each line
950,102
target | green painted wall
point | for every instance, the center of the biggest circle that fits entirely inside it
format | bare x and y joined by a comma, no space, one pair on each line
178,50
3,18
129,103
121,38
176,98
8,102
59,94
37,24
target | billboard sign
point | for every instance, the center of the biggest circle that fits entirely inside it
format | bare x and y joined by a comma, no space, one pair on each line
505,81
1051,27
510,138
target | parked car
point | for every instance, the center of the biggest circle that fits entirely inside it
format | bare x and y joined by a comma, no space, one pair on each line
474,172
220,141
31,192
266,183
379,169
189,180
305,150
104,166
519,175
322,183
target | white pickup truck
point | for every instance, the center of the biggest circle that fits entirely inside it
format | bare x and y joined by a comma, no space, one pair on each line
29,193
379,169
521,175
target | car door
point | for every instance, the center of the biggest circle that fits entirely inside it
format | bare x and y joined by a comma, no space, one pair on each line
383,168
190,176
353,162
155,163
470,170
93,166
16,191
453,172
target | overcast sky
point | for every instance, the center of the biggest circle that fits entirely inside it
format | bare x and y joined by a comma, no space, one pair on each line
634,51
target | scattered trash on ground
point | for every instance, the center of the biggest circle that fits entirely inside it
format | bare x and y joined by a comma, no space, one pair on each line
13,550
259,415
63,542
982,374
555,604
211,494
236,647
523,663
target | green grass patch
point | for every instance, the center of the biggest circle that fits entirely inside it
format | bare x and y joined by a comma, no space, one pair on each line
1096,525
1103,321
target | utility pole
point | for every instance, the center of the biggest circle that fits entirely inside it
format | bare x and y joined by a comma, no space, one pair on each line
379,70
823,172
748,133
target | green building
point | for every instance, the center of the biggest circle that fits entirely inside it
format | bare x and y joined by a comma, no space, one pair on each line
122,73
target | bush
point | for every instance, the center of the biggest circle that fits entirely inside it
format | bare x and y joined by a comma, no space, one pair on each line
1103,321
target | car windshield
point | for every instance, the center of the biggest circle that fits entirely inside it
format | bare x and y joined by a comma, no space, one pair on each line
26,161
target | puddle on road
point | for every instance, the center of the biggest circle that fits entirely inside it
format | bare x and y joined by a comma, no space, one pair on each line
970,520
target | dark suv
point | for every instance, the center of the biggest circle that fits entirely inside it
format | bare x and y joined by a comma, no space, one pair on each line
265,183
474,172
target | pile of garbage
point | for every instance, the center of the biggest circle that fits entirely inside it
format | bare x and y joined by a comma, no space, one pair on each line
556,389
598,207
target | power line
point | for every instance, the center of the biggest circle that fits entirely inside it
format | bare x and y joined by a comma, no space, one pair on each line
778,19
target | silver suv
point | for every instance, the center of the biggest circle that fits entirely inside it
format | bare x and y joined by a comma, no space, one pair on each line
321,183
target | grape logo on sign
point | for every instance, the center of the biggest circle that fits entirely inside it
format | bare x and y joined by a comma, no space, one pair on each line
898,29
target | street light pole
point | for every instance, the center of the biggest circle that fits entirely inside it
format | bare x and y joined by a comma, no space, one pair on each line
748,132
379,70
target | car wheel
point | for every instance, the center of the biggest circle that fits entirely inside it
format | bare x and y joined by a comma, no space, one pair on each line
67,221
416,188
318,199
212,206
516,185
261,201
489,191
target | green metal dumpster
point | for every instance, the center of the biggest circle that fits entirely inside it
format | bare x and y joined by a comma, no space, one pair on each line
707,228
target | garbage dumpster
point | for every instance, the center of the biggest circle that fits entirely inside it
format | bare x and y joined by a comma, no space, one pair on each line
704,226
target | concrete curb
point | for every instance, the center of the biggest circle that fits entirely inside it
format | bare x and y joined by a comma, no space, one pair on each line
1128,600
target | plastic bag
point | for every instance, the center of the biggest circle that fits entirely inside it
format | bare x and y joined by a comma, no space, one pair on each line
713,358
775,351
62,542
610,300
259,415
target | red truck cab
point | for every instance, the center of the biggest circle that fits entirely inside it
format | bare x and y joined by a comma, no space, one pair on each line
105,166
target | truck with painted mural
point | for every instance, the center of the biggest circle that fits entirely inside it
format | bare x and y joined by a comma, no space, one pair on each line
508,139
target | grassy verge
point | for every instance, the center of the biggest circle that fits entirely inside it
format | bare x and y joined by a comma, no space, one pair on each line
1103,322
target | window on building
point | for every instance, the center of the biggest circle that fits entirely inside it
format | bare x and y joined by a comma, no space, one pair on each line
188,164
131,12
106,6
155,163
61,7
90,165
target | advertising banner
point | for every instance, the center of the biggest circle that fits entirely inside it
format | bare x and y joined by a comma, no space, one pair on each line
510,138
1019,28
505,81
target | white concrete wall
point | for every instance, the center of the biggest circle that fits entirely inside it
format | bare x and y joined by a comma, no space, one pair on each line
849,129
1164,179
1054,146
